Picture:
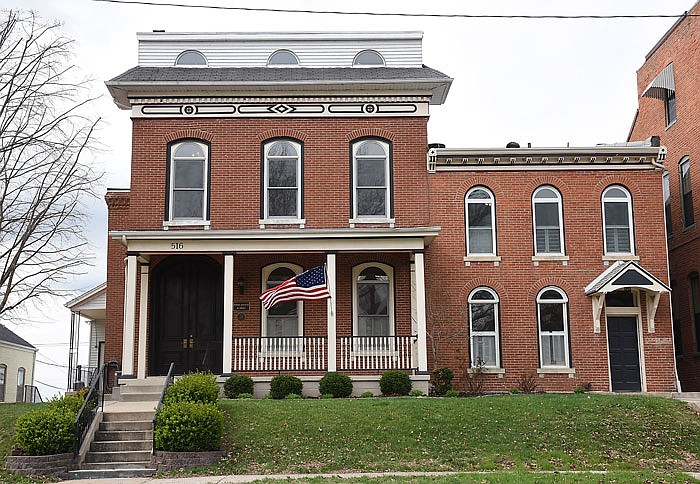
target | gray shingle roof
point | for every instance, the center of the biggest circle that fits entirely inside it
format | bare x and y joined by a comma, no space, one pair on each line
10,337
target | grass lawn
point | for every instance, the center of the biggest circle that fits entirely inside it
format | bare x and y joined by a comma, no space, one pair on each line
9,412
506,432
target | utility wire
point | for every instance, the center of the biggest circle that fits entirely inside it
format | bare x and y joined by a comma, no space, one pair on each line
50,386
397,14
51,364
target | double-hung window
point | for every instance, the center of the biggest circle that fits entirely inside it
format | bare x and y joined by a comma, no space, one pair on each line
373,300
547,221
371,179
686,192
282,181
480,221
483,328
618,228
188,180
282,324
553,327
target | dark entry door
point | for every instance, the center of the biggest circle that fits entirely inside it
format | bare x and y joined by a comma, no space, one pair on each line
624,354
186,315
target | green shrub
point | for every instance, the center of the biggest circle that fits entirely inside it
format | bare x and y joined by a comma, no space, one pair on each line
237,384
325,396
513,390
441,381
46,431
367,395
69,402
416,393
283,385
189,427
193,387
245,395
337,384
451,393
293,396
580,390
395,382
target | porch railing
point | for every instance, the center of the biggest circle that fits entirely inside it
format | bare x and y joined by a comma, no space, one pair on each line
376,352
83,376
288,353
94,401
31,394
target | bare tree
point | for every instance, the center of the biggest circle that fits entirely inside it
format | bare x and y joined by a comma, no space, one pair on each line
442,331
46,133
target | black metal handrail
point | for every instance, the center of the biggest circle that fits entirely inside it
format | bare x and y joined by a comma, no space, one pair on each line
31,394
94,400
168,382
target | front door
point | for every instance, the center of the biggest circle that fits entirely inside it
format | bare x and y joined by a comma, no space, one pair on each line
186,324
624,354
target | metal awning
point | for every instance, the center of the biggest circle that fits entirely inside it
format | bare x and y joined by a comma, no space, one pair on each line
659,87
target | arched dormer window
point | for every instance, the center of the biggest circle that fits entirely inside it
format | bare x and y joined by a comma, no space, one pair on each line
283,58
191,58
618,226
547,221
368,58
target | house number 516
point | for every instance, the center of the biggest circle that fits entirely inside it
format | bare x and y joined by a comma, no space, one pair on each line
176,245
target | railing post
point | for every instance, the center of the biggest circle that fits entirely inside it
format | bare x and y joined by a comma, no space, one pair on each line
420,313
331,307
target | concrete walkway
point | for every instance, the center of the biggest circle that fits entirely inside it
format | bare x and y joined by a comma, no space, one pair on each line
692,398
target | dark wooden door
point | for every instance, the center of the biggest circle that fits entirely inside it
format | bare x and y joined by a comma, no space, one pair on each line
624,354
186,325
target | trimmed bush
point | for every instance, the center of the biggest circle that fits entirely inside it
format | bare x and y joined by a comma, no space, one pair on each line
189,427
395,382
237,384
367,395
283,385
193,387
337,384
46,431
441,381
69,402
451,393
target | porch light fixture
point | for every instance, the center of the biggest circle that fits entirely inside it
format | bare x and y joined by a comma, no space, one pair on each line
241,285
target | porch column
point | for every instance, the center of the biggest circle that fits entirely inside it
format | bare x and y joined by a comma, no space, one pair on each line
420,313
330,272
129,316
143,321
228,313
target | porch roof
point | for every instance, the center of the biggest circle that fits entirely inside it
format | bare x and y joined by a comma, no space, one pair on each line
622,275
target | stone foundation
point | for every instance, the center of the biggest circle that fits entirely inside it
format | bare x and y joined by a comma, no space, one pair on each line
167,461
41,465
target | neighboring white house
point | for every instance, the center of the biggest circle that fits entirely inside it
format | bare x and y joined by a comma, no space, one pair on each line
17,358
89,306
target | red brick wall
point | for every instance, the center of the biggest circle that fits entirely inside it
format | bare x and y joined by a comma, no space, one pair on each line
682,47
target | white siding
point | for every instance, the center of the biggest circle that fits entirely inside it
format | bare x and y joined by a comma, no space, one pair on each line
97,334
15,357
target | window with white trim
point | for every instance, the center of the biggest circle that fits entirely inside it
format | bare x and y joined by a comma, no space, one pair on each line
20,384
547,221
282,181
3,377
368,58
552,325
480,220
371,179
686,192
188,180
666,184
618,227
483,328
373,300
283,58
191,58
284,319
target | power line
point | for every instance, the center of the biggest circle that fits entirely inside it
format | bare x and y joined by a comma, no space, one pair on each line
50,386
399,14
51,364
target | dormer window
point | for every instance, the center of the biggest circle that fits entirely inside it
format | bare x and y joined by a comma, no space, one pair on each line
191,58
283,58
368,58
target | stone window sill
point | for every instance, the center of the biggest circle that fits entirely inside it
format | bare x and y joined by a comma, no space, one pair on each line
487,371
186,223
536,259
282,221
368,220
620,257
468,259
556,371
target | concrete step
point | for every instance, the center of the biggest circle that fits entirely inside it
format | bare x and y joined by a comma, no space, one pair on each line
111,457
111,473
121,445
686,395
130,425
101,466
142,389
139,397
149,380
128,416
123,435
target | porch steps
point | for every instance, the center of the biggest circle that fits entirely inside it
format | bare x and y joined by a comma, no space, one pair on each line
123,443
691,398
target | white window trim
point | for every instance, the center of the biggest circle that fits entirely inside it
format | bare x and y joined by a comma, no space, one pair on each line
206,61
272,220
496,328
363,66
564,301
267,270
628,200
560,212
282,65
171,187
387,183
492,202
389,271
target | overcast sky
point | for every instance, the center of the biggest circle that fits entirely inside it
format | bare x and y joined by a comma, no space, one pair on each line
547,82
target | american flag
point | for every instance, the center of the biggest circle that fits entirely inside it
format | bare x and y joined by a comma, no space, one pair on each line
305,286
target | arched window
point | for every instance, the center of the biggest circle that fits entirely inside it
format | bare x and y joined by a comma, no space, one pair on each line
371,179
283,58
686,192
483,328
283,319
368,58
553,327
282,181
618,225
373,300
3,378
547,221
20,384
188,180
480,220
192,58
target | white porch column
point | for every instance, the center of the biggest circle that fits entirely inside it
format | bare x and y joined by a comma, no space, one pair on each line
129,316
330,273
228,313
143,321
420,314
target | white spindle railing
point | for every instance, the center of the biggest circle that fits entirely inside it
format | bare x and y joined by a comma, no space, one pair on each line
279,354
376,352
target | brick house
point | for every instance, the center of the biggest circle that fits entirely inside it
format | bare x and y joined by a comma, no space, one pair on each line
258,156
668,83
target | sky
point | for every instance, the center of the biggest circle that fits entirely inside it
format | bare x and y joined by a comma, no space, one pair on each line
549,82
